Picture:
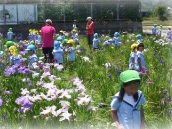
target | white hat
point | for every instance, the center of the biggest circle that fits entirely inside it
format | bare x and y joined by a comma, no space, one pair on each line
89,18
48,21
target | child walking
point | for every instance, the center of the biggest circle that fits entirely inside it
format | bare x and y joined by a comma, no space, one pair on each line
10,34
141,59
169,33
14,58
133,63
126,106
58,52
96,41
116,39
32,52
139,38
70,50
154,29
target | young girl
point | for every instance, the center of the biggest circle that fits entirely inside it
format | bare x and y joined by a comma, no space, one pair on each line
141,60
133,64
154,29
10,34
75,37
159,33
58,52
14,58
116,39
169,33
126,106
96,41
139,38
70,50
32,52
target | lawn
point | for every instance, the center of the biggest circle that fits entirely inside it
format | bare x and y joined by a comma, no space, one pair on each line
85,87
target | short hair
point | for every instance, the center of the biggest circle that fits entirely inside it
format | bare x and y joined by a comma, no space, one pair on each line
48,21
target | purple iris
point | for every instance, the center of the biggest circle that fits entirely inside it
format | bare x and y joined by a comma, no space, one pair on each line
24,102
7,92
9,71
1,102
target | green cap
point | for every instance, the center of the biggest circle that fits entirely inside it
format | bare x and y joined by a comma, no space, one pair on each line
9,43
129,75
64,41
10,29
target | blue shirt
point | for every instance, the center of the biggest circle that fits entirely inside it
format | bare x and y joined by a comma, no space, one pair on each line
32,60
154,30
15,60
135,65
142,59
128,111
9,36
116,41
96,42
58,55
71,54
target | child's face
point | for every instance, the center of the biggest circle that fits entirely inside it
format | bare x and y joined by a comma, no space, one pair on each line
141,49
132,88
30,52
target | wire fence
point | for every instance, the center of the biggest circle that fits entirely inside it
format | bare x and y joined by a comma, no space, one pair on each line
64,12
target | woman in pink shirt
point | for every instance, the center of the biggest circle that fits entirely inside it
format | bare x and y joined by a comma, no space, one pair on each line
90,31
48,34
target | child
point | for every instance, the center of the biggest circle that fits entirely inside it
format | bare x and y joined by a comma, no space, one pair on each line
75,37
116,39
1,60
14,58
61,34
154,29
126,106
139,38
159,31
71,50
39,39
169,33
32,52
9,44
58,52
96,41
141,60
108,42
10,34
133,63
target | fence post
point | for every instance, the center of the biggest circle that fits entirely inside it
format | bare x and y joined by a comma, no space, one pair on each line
92,10
117,10
64,15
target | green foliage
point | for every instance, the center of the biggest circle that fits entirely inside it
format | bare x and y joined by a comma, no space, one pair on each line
161,12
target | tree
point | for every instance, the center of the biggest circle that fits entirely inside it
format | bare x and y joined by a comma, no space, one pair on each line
161,12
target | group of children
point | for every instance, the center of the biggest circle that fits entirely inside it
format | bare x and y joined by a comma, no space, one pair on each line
61,45
158,31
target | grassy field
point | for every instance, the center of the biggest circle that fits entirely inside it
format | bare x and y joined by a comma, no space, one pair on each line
92,78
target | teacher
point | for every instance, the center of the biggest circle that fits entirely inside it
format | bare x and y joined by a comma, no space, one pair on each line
90,31
48,34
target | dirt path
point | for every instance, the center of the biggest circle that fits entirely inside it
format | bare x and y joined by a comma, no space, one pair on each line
148,30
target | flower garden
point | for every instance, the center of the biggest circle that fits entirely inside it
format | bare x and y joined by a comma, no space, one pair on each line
78,94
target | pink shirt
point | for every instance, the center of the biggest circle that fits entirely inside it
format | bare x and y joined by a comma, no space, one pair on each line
47,33
91,30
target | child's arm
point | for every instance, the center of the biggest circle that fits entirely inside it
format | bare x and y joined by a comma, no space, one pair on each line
142,118
115,119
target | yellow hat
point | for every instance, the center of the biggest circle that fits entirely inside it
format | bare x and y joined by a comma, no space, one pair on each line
71,41
13,50
134,46
169,27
